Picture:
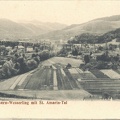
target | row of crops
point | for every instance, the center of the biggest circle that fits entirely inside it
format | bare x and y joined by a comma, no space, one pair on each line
107,81
97,81
95,74
41,79
99,87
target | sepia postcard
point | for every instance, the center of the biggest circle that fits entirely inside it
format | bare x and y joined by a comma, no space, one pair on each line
59,59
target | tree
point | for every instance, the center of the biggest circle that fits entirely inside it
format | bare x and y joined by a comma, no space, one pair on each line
87,59
75,52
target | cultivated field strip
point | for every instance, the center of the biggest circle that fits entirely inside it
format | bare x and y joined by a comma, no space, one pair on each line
5,85
101,86
118,71
48,77
46,83
73,71
71,79
67,84
55,83
76,76
87,76
79,70
111,73
41,81
34,80
22,80
51,79
14,85
59,80
25,82
98,74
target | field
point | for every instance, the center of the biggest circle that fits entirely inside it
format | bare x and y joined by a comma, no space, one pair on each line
52,78
50,75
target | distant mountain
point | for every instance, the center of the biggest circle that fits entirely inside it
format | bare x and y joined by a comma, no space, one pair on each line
56,31
110,18
45,26
10,29
14,30
97,27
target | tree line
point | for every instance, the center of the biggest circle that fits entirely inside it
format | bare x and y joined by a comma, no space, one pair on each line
94,38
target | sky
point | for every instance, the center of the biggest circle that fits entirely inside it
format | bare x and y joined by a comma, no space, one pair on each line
62,11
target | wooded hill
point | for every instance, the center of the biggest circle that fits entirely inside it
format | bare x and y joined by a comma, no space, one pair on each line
90,38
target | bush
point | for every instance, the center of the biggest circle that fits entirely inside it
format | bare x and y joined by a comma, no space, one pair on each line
103,57
52,54
44,55
31,64
68,66
95,65
37,59
2,62
86,59
102,65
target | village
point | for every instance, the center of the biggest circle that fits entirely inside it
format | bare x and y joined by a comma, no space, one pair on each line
93,69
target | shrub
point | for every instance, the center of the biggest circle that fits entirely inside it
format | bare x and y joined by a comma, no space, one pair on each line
44,55
31,64
101,65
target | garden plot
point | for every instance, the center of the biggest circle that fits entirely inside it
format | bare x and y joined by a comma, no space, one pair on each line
17,81
99,74
117,70
85,74
34,81
44,80
73,71
25,76
6,84
61,85
78,74
40,80
101,86
14,82
55,83
24,84
111,73
47,77
79,70
71,79
75,74
65,80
